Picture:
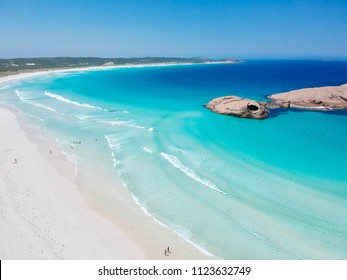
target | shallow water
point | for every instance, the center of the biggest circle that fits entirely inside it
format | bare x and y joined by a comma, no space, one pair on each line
237,188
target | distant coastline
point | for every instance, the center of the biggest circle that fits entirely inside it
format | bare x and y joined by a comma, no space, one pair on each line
9,67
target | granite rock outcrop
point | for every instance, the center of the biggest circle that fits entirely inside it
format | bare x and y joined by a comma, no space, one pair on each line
237,106
320,98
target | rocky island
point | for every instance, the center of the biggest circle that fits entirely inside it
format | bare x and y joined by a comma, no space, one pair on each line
236,106
320,98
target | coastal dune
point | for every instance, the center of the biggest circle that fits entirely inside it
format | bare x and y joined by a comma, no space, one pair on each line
42,213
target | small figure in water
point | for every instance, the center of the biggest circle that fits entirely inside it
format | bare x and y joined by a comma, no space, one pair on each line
15,160
50,151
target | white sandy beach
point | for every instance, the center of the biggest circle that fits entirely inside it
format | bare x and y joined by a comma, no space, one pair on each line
34,73
44,215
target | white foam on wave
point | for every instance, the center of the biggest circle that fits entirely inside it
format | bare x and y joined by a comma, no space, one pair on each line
82,117
257,235
112,142
151,129
40,119
148,150
115,161
28,101
123,123
116,165
115,141
72,158
66,100
198,159
189,172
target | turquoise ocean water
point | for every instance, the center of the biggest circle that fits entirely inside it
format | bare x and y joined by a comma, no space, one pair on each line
236,188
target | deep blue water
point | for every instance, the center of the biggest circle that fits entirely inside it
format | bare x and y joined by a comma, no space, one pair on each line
238,188
196,83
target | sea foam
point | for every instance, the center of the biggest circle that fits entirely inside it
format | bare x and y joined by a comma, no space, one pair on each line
115,141
146,149
28,101
66,100
189,172
82,117
123,123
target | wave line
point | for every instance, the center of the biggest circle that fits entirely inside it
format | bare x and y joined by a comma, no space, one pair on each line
27,100
66,100
191,173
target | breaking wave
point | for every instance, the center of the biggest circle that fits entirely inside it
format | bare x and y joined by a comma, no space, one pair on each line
148,150
66,100
189,172
115,141
28,101
123,123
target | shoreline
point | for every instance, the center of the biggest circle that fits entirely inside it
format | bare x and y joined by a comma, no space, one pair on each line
39,72
147,240
43,216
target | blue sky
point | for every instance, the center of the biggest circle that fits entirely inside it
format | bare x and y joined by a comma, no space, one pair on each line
135,28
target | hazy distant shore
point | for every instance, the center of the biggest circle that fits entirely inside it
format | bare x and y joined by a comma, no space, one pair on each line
10,76
9,67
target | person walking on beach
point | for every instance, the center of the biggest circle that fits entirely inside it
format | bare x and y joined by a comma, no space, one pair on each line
167,251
